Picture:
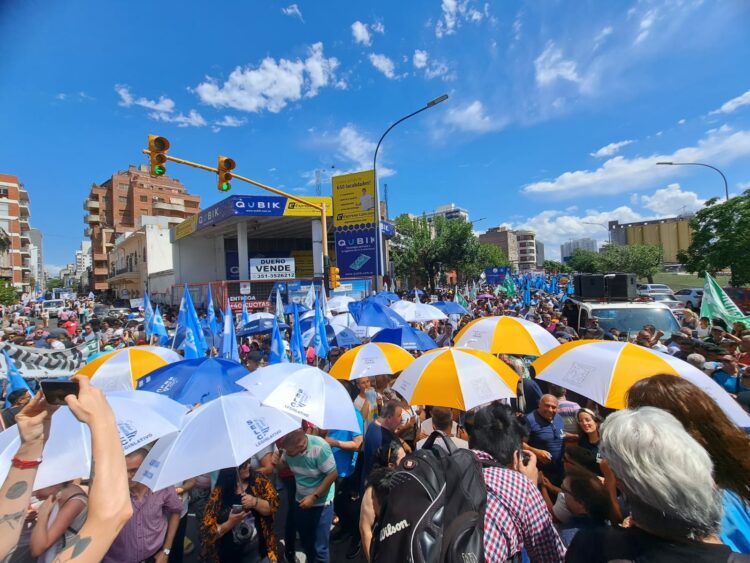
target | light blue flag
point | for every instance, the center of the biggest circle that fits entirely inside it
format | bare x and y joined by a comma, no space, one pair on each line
194,342
279,306
297,346
212,324
245,314
320,340
148,314
157,327
277,355
229,349
15,379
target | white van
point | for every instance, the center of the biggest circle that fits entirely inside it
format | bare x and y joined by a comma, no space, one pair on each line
628,317
53,306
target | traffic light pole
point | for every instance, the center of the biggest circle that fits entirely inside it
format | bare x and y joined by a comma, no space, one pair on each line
320,207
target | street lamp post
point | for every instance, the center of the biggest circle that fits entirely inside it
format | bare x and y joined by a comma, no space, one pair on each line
726,185
379,254
602,225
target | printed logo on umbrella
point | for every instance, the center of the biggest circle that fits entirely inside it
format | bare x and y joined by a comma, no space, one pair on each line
259,426
128,432
578,373
166,386
300,399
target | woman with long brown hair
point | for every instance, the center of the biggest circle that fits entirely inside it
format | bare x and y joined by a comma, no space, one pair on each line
726,444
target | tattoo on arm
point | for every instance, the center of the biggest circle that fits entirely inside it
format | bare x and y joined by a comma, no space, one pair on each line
77,546
16,490
14,519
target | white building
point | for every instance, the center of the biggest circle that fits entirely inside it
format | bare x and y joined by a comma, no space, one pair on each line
83,257
450,211
567,249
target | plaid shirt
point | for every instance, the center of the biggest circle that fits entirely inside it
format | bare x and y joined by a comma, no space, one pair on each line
516,517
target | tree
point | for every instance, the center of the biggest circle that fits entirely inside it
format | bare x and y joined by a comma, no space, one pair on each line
8,294
721,239
554,267
584,261
480,257
415,251
644,260
52,283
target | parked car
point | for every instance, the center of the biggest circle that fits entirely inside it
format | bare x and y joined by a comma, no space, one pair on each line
691,297
53,306
653,288
740,296
668,299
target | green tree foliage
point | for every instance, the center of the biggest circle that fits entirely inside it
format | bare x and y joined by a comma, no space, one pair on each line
584,261
425,250
721,239
8,294
52,283
644,260
554,267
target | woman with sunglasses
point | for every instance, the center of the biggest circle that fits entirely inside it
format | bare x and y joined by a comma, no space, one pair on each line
237,522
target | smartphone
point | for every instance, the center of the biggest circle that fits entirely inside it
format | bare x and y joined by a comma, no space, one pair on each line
237,508
56,391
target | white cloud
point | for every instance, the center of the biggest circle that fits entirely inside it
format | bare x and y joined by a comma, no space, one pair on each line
645,25
551,66
602,35
294,11
273,84
610,149
672,201
127,99
453,13
733,104
420,58
192,119
53,270
231,121
682,121
472,118
361,33
619,174
378,27
742,186
61,96
383,64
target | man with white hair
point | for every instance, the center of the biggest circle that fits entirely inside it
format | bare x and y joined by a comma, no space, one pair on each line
666,477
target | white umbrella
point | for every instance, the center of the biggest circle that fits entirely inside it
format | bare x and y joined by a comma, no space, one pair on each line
340,304
347,320
222,433
256,316
305,392
142,417
417,312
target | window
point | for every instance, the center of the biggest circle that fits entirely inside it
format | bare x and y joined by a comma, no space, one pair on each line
123,186
144,198
4,209
5,225
122,200
3,192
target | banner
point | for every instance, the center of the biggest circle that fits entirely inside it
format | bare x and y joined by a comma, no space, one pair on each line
187,227
716,303
269,269
40,362
496,275
354,199
355,253
259,206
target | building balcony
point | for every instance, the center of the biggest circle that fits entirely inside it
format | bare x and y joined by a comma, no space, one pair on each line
24,223
25,235
99,256
88,232
25,251
175,220
101,271
92,219
123,274
23,195
164,206
91,204
23,210
6,272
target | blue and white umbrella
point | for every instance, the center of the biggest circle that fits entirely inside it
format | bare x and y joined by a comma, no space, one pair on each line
407,337
338,336
259,326
371,313
450,308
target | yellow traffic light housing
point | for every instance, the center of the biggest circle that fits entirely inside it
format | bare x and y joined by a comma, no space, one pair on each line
158,147
226,165
334,279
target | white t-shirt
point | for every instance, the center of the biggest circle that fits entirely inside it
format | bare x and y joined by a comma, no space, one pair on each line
428,428
367,202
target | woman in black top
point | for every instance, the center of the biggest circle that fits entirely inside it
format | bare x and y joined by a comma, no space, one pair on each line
588,430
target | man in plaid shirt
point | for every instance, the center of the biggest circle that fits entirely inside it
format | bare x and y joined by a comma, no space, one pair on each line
516,516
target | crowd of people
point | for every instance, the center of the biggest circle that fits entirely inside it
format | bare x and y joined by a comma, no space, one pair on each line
665,479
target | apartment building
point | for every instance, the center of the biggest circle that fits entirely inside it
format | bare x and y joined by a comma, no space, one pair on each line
15,236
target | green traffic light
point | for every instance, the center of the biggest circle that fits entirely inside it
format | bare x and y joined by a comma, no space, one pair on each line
225,186
159,170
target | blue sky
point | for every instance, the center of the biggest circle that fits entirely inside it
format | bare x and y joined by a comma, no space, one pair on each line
557,110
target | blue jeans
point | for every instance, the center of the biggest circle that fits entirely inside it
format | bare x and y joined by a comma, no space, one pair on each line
314,528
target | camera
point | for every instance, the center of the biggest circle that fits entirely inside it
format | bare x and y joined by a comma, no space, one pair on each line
245,531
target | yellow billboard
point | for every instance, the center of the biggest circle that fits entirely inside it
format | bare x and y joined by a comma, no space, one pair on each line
354,199
296,209
187,227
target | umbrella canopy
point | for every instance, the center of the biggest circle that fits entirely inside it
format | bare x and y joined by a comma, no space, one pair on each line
604,370
415,292
407,337
390,296
459,379
119,370
261,315
340,303
417,312
371,359
338,336
198,380
450,308
305,392
301,308
506,335
222,433
347,320
259,326
372,313
141,418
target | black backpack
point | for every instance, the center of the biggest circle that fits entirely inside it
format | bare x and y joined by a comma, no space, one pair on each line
434,512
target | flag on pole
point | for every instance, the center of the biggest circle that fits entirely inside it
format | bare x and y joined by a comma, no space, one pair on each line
297,346
279,306
158,328
194,342
277,354
229,350
310,297
211,314
324,301
148,314
15,379
245,315
716,303
458,298
320,340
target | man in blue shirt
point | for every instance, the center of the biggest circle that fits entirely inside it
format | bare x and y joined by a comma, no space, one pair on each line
547,438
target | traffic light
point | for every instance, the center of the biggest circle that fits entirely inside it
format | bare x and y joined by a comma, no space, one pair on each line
158,147
334,279
226,165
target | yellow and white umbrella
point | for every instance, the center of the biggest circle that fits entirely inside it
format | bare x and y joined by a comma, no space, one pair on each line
375,358
604,370
120,369
455,378
506,335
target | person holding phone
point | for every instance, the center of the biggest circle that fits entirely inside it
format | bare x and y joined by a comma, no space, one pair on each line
237,523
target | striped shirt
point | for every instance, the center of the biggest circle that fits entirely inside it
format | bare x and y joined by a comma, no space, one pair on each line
311,467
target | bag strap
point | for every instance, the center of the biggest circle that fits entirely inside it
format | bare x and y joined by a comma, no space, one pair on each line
430,442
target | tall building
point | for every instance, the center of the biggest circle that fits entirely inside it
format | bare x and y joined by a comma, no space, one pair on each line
116,206
539,254
450,211
519,247
14,222
672,234
526,250
83,257
567,248
37,259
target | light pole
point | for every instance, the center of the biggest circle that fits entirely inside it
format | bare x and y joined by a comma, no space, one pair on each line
726,185
602,225
379,262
